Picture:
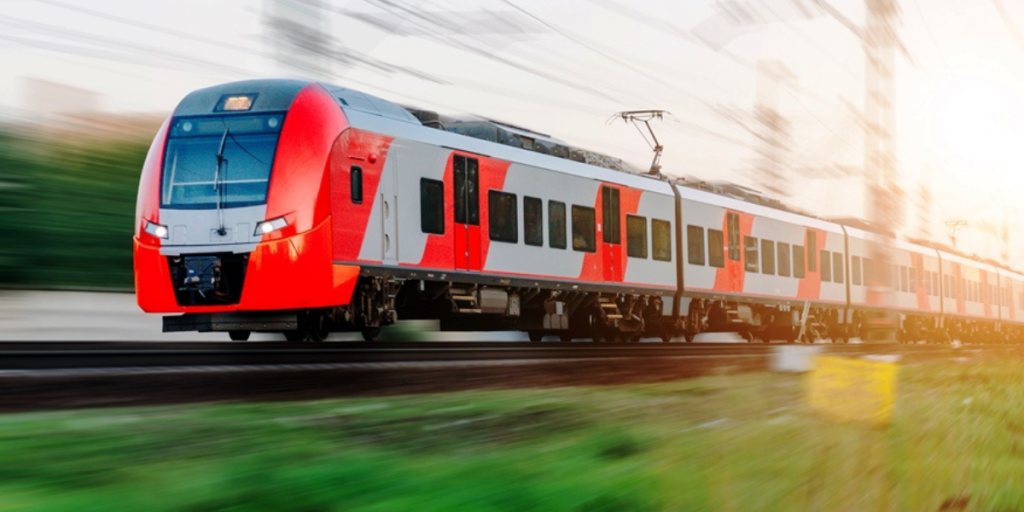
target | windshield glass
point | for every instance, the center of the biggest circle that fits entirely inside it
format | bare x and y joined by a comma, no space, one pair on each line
190,161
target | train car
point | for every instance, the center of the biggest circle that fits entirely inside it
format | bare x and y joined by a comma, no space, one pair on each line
1011,312
306,208
970,308
753,269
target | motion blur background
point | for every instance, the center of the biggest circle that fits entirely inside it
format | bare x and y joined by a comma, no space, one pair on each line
86,85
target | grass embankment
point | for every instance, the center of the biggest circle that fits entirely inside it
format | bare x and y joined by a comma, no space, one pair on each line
740,443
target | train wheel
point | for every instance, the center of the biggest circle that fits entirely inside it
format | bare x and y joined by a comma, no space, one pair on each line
749,336
535,336
239,335
371,333
689,336
295,335
318,335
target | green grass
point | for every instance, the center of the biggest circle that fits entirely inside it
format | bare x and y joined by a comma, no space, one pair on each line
743,443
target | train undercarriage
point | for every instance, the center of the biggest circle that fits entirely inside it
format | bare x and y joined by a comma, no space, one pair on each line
379,302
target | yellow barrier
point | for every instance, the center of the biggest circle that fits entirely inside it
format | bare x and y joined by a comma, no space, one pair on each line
853,389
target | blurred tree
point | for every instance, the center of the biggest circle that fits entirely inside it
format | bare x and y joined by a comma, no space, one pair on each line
71,206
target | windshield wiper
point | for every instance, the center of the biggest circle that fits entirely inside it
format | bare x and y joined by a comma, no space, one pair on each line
217,189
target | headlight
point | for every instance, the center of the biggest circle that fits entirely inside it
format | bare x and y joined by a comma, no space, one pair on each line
269,226
156,229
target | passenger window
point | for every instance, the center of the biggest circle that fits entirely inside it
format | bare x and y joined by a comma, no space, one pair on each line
767,257
432,206
799,267
855,270
661,235
783,259
838,276
636,236
826,266
556,225
356,184
716,248
503,217
533,221
750,253
903,278
733,230
812,250
610,215
584,236
695,244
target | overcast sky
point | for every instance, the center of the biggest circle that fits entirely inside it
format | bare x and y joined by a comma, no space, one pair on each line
564,68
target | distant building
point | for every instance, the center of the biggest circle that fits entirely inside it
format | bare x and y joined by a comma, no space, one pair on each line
51,101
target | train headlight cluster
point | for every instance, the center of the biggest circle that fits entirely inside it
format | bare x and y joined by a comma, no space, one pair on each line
269,226
156,230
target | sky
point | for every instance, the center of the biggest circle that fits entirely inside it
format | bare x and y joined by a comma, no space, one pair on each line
566,68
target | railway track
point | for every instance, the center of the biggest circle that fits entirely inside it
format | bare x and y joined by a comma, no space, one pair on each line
38,356
44,376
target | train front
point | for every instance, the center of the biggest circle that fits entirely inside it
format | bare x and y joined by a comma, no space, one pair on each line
233,215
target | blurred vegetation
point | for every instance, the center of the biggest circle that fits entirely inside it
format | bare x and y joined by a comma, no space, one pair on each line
743,442
67,204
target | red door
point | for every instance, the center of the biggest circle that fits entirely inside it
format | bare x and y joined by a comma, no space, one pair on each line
467,213
611,234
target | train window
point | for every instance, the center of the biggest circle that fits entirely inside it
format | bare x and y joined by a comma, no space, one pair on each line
855,270
799,264
636,236
733,230
812,250
661,236
750,253
716,248
912,274
356,184
826,266
767,257
837,268
503,217
432,206
695,244
533,221
945,285
783,259
903,279
556,225
610,215
584,237
467,190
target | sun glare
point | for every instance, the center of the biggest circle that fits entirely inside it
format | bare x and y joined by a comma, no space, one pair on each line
982,125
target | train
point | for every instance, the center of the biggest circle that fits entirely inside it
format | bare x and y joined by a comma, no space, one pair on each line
304,208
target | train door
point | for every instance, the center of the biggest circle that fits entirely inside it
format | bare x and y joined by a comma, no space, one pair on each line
612,247
467,212
389,211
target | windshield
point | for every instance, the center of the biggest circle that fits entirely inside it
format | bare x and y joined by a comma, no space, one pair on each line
190,161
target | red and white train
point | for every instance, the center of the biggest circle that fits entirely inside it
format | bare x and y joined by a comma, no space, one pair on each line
305,208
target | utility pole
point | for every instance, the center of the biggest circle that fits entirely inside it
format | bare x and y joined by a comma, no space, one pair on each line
298,35
773,129
880,44
924,195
